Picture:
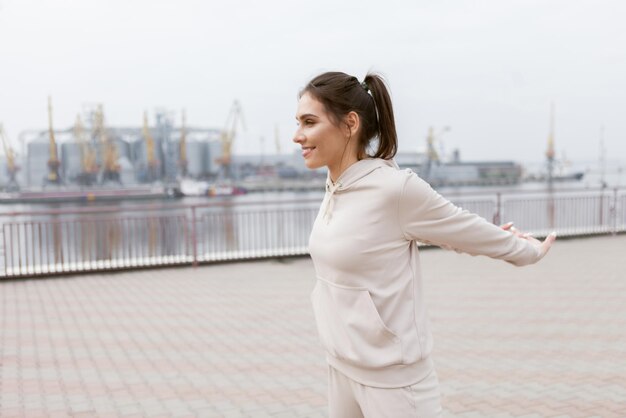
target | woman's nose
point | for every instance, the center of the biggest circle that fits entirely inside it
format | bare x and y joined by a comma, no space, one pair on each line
298,137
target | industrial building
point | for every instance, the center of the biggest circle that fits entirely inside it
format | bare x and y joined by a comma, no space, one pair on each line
203,148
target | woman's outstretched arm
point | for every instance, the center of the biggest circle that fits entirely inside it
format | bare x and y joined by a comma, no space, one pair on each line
428,217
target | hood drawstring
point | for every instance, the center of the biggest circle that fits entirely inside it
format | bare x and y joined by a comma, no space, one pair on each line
348,178
330,202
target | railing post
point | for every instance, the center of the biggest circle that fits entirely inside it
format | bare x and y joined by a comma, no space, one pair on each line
601,220
498,213
194,239
614,211
4,249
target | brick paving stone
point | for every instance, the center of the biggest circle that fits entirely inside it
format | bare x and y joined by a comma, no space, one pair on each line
239,339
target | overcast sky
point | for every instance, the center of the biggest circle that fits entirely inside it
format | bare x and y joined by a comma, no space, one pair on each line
487,69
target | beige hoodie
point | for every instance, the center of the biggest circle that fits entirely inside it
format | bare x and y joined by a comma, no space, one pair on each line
368,300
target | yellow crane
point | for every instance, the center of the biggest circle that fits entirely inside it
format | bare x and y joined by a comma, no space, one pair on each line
110,166
550,150
550,153
88,158
182,161
277,139
235,118
53,160
12,168
433,156
150,154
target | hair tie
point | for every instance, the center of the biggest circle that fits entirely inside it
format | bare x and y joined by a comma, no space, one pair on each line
365,86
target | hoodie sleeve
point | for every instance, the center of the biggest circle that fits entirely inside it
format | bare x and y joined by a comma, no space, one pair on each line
427,217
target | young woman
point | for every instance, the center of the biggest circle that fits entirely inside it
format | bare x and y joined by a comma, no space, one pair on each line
368,301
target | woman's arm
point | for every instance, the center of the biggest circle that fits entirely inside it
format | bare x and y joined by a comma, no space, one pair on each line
428,217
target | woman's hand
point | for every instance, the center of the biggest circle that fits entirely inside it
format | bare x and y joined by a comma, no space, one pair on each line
544,246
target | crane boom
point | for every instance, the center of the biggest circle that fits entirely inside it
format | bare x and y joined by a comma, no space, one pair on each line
550,150
53,160
150,154
111,168
12,168
277,138
89,163
8,152
235,118
430,140
183,146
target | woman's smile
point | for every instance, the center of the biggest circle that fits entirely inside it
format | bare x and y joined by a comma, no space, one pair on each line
306,151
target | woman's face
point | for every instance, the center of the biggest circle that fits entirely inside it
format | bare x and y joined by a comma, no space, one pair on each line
322,142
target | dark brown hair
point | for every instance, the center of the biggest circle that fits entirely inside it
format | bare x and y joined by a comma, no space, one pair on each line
341,94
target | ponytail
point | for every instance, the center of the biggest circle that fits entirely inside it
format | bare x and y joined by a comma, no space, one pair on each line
386,124
341,93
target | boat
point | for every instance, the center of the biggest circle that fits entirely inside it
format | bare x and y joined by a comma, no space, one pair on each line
558,178
190,187
225,190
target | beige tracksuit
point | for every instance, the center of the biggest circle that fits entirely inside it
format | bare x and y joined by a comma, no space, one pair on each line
368,301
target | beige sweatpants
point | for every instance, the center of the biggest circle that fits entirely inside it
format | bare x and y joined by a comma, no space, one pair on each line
349,399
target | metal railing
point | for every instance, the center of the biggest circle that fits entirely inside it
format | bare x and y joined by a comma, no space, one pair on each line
95,239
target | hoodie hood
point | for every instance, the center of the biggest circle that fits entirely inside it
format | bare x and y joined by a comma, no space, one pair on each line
350,176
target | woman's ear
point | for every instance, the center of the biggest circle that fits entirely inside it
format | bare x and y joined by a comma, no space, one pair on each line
353,122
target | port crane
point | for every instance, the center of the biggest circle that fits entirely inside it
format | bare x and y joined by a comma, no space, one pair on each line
153,163
432,156
277,139
182,161
53,176
110,166
89,164
550,153
235,118
12,168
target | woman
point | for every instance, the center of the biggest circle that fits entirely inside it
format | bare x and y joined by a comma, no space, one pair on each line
368,299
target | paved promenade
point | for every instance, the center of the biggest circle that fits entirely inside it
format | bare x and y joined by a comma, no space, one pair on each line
238,340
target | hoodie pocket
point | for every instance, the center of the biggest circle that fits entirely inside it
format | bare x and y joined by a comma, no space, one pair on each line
350,327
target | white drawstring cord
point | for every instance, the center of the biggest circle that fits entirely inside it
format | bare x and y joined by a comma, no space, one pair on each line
330,203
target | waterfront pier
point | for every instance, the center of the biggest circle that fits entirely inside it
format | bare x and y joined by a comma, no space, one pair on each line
239,339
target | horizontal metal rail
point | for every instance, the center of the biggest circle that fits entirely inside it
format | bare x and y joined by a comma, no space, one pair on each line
97,239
